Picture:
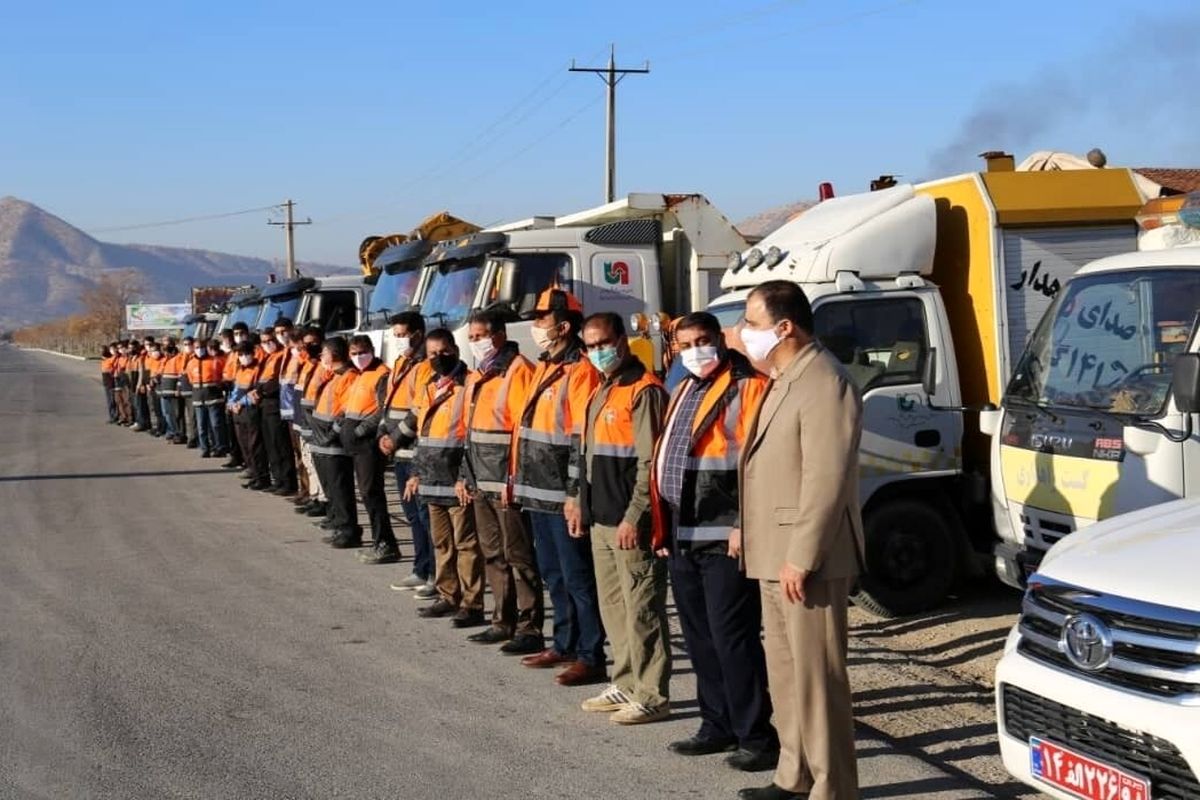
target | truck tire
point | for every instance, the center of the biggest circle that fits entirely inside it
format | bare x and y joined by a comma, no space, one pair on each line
911,561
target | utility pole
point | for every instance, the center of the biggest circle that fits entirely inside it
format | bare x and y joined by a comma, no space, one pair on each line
289,226
611,77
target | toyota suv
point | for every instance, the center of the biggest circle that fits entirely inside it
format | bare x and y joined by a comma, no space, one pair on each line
1098,691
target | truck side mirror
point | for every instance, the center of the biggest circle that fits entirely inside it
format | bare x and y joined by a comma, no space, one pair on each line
929,373
508,282
1185,382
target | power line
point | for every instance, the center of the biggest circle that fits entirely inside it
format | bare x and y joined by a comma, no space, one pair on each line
182,220
611,77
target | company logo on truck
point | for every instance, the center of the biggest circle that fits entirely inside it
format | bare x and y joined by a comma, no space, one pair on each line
616,273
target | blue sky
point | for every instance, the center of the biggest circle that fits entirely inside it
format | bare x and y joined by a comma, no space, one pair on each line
373,114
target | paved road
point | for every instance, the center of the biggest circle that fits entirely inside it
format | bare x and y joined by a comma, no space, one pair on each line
165,634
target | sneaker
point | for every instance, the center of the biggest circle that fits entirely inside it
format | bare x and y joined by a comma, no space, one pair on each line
610,700
380,555
442,608
426,592
638,714
413,581
346,540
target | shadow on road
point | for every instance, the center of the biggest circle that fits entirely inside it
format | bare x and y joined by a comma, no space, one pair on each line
99,475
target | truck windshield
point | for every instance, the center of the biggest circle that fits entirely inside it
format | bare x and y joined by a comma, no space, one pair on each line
451,292
276,307
395,291
1108,342
729,314
189,331
247,314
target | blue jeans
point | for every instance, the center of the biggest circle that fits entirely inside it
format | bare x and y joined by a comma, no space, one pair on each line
209,429
566,567
417,516
168,414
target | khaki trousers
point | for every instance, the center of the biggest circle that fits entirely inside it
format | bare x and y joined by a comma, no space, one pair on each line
518,604
632,587
297,454
806,669
315,489
458,571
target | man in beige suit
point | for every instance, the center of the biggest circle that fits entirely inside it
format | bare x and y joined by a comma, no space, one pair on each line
801,537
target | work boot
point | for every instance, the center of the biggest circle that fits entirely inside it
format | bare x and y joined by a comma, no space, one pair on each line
347,540
318,509
380,554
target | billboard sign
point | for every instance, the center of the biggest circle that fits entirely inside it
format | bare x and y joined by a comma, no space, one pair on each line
156,316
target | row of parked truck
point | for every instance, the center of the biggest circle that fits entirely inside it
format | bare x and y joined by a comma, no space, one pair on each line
1024,339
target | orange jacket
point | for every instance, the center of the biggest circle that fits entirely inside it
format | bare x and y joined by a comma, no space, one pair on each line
495,400
722,423
544,460
328,411
206,375
441,432
406,386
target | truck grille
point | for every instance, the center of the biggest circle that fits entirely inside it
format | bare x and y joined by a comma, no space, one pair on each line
1027,714
1043,533
1155,649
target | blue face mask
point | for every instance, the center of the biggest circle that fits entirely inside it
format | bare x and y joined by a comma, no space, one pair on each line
604,358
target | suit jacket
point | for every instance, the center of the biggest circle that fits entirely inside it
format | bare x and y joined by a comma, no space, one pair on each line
798,474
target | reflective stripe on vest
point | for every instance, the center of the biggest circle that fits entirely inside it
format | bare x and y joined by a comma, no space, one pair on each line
362,399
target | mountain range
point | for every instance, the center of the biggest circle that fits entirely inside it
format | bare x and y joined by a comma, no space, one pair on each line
46,263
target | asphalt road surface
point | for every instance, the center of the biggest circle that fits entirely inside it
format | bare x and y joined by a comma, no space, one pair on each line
166,634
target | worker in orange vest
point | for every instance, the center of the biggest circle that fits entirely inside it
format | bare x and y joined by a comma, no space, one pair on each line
694,499
545,466
365,405
439,421
334,465
107,358
412,372
121,384
205,373
187,350
168,390
623,420
496,391
276,439
229,354
311,377
246,414
289,403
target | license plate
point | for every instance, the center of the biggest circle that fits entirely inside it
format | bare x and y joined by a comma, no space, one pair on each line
1083,776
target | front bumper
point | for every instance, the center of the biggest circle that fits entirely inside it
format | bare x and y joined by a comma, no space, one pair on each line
1161,737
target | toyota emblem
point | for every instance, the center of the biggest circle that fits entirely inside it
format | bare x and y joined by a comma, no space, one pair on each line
1087,642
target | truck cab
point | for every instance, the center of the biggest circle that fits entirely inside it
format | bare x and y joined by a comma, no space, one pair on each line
400,273
245,305
200,326
336,304
1095,421
643,256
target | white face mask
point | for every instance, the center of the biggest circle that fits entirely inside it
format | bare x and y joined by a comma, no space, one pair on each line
482,349
361,360
759,344
296,352
282,339
226,348
700,360
270,347
201,351
245,360
541,337
404,344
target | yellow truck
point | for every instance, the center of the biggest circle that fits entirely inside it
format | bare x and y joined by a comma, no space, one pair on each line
927,294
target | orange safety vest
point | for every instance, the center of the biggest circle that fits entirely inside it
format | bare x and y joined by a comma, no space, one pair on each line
330,404
206,376
185,383
106,365
442,430
308,383
246,377
719,430
495,400
366,394
611,444
231,367
545,447
407,385
272,366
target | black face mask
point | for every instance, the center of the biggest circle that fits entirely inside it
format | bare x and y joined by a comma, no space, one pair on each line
444,364
313,350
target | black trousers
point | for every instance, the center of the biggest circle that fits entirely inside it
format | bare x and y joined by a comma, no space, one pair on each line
158,426
278,442
370,467
721,616
248,425
337,478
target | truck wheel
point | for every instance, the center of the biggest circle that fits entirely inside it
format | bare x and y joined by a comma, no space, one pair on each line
910,560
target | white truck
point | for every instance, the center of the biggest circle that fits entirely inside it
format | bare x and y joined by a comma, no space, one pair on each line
1089,426
337,304
926,293
645,256
1098,690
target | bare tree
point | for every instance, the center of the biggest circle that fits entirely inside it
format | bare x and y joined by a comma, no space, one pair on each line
104,302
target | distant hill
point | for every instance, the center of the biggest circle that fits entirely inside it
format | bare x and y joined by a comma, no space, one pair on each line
45,263
765,222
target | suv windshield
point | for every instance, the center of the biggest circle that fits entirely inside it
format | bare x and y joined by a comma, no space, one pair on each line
451,292
276,307
1109,341
395,291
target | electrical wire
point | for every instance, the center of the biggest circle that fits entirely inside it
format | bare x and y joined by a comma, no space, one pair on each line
182,220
